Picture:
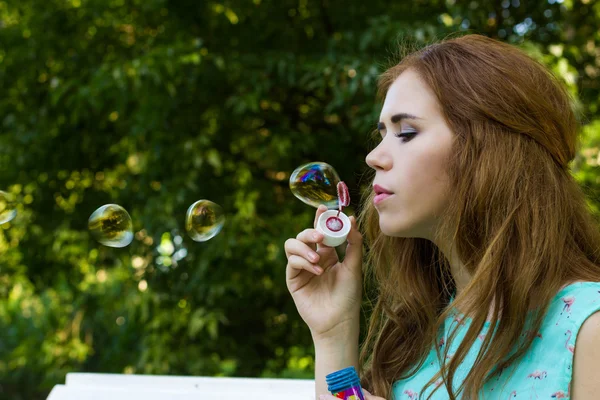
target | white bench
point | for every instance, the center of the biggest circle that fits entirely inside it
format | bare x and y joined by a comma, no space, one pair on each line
88,386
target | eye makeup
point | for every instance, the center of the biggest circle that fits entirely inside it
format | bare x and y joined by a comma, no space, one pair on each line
406,135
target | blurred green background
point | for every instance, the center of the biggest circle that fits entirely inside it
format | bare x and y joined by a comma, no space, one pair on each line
154,104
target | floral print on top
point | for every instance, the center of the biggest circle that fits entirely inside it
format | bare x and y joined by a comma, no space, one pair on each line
544,372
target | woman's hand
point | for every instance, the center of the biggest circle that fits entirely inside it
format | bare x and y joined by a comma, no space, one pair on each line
368,396
327,292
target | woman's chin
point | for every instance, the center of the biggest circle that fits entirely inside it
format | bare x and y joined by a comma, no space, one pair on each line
400,231
388,230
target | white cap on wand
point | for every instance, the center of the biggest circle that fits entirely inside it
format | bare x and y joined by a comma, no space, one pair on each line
334,238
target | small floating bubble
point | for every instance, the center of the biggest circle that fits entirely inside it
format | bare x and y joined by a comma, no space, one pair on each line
111,226
204,220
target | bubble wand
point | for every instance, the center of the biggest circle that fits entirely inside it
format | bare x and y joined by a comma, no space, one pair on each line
335,225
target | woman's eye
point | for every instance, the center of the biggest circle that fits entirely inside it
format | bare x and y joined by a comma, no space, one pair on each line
406,135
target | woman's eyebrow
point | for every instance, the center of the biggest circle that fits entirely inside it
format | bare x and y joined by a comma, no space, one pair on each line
397,118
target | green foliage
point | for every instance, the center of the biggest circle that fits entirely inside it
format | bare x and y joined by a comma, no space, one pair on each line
155,104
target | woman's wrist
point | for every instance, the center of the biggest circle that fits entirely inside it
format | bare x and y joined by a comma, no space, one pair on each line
341,341
346,331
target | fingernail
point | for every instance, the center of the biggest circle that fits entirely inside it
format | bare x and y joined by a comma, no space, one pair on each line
312,256
319,271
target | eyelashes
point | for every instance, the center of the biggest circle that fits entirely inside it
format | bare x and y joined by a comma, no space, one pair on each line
406,135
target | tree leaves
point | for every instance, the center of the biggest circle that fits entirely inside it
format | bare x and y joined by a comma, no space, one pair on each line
154,105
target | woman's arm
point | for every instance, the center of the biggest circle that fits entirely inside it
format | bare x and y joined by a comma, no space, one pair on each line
334,353
585,384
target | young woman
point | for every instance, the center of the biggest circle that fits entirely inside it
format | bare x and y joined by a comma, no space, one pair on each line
483,253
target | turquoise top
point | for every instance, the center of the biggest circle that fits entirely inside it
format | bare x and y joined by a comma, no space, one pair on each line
544,372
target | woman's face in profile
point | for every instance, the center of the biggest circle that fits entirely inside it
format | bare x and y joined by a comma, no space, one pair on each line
412,166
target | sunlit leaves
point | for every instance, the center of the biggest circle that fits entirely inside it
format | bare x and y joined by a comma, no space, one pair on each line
155,104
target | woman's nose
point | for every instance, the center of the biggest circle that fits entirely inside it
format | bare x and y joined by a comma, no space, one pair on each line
378,159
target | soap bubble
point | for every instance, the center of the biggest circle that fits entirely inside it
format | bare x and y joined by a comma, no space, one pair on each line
204,220
315,183
8,209
111,226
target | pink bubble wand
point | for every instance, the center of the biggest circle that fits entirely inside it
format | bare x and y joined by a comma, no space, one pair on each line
335,224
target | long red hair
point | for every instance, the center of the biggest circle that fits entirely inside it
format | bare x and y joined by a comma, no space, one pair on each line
519,220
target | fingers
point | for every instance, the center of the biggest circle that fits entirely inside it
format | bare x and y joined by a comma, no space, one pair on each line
305,242
302,255
354,237
354,250
302,252
310,237
297,264
320,210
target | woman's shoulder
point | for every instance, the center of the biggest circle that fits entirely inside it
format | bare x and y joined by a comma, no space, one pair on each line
553,348
582,290
573,304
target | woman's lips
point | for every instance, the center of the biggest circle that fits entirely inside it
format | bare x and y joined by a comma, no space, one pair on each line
381,197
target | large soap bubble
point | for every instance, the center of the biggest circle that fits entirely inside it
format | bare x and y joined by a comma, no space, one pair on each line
315,183
204,220
111,226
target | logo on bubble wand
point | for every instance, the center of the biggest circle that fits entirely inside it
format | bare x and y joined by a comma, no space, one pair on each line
335,224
